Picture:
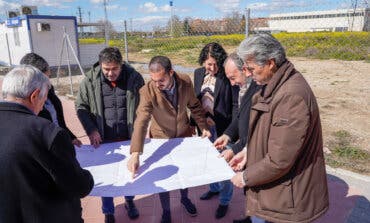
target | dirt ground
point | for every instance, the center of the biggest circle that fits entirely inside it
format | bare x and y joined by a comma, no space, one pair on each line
342,89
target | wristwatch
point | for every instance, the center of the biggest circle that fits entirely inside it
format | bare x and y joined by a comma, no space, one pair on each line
244,181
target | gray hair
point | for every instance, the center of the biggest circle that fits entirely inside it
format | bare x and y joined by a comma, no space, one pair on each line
21,81
234,57
261,48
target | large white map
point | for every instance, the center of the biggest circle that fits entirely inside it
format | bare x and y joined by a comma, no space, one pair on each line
165,165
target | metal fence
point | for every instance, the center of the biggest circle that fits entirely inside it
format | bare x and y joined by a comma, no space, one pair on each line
331,34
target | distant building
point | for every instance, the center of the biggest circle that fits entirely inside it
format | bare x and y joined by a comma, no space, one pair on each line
332,20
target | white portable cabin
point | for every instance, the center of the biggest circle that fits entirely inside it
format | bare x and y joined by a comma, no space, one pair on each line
41,34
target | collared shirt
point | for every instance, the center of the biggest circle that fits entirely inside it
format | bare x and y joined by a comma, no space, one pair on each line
243,89
171,94
51,109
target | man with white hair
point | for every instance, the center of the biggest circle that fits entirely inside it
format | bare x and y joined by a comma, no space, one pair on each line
284,175
40,178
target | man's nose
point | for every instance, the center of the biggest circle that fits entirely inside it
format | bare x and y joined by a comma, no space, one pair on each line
248,73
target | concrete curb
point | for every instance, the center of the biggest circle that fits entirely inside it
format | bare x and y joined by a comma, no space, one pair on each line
361,182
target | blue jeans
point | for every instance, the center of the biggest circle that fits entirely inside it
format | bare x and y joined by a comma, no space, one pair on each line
108,205
259,220
225,188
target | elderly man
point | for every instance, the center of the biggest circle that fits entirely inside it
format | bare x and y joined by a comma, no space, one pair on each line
40,178
165,99
106,105
285,173
237,131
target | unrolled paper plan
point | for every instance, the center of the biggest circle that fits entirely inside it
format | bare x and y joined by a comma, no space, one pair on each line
165,165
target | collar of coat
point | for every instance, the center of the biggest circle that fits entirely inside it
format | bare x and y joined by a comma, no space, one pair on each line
278,78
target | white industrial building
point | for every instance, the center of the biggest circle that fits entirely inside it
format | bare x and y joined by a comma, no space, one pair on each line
41,34
332,20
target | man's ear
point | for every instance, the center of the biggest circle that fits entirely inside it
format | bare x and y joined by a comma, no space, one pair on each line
171,72
272,65
34,97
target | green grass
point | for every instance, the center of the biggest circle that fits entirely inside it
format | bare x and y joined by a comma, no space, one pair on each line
319,45
345,154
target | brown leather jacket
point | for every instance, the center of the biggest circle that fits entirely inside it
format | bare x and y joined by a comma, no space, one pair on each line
166,121
285,173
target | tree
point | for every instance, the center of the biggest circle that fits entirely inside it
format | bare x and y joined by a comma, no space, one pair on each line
187,27
101,27
233,22
242,24
177,25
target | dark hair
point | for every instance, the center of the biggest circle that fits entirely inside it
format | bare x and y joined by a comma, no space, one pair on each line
214,50
164,61
35,60
110,54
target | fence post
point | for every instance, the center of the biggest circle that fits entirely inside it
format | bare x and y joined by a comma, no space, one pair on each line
106,25
125,38
171,22
247,19
8,48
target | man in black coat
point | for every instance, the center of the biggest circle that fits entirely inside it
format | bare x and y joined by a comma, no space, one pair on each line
40,178
237,131
52,110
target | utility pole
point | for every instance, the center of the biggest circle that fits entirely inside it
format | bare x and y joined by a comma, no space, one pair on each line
106,28
80,20
89,13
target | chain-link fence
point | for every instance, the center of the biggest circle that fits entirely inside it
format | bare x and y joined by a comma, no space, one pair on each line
331,34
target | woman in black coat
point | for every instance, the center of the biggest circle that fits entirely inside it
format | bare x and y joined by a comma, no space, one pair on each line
215,92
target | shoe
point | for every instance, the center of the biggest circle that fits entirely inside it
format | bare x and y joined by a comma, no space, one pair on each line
243,220
132,211
189,207
221,211
166,217
109,218
208,195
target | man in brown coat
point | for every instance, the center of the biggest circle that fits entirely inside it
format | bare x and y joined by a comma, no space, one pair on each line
164,100
285,173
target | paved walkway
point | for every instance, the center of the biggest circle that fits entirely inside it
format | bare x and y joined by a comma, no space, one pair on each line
349,196
347,203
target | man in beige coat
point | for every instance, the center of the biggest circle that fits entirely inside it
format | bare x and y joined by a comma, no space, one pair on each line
285,173
164,100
